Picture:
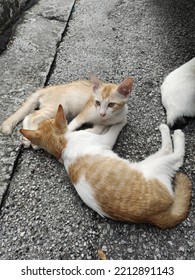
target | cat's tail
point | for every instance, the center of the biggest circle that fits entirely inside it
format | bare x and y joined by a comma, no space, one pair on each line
180,207
30,104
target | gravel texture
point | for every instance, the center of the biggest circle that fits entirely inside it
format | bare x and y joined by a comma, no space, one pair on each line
42,216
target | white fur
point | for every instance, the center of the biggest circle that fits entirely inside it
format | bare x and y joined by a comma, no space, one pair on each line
161,166
83,142
86,193
178,92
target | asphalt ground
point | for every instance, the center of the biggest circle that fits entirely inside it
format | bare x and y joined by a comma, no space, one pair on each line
42,217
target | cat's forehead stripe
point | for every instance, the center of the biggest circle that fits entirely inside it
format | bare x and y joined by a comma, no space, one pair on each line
107,90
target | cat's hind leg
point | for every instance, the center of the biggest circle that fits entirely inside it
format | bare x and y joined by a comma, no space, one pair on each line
168,165
173,161
166,147
33,120
179,148
163,164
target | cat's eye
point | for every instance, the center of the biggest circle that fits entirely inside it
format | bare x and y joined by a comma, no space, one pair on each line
111,104
97,103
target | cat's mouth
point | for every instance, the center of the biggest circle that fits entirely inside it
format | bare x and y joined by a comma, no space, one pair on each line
103,117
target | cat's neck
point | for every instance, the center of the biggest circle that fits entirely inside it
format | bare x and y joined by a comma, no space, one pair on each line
56,146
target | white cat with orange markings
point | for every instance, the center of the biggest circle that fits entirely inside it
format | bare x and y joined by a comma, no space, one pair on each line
101,104
113,187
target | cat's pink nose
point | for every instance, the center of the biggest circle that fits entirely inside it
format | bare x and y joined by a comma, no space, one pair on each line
102,114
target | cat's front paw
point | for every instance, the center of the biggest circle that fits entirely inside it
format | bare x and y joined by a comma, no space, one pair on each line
35,147
5,128
73,125
25,142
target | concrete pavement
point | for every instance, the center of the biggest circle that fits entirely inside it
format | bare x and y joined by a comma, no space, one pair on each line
9,10
42,216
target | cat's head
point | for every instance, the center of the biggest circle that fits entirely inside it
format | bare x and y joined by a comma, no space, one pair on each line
50,134
110,99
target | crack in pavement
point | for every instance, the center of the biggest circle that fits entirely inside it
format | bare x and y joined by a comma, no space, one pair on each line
53,64
19,80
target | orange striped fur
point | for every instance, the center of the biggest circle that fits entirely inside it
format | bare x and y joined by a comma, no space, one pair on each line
119,197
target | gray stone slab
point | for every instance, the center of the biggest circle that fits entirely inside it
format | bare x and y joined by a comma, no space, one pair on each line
25,65
9,11
54,10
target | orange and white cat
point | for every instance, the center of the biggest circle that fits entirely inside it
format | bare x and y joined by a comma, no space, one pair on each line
101,104
115,188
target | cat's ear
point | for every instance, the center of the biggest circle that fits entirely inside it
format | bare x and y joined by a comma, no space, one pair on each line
96,83
125,88
32,135
60,119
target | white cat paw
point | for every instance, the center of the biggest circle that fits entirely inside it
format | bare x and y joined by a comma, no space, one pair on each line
6,129
163,127
179,143
35,147
26,143
179,133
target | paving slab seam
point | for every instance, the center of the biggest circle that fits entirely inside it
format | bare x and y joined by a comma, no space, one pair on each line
53,64
6,193
46,83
